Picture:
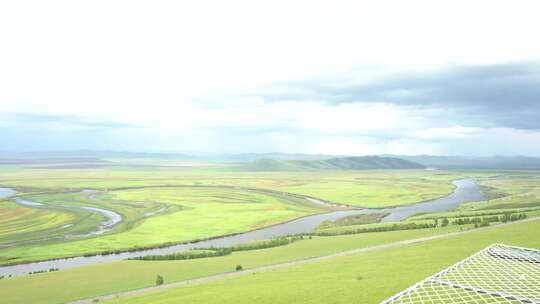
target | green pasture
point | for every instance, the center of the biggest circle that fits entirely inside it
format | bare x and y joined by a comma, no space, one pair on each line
376,189
198,213
200,203
207,202
21,224
100,279
515,192
364,278
368,188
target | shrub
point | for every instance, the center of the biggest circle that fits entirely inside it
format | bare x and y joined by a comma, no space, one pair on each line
213,252
483,224
444,222
273,242
216,251
239,267
393,227
159,280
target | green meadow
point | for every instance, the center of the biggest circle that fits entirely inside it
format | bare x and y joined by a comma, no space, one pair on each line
193,203
364,278
100,279
166,205
269,152
192,213
19,224
365,188
376,189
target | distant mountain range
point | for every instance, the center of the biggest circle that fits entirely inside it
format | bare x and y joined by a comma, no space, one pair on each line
49,161
342,163
431,161
247,157
285,161
91,154
466,162
443,162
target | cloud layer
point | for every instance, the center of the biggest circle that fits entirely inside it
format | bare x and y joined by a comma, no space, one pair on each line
309,76
503,95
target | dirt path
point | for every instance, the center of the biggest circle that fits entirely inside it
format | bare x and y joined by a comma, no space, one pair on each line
220,276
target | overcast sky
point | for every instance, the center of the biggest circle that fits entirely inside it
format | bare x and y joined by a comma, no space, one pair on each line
329,77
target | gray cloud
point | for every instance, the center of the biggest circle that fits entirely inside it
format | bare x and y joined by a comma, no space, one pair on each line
506,95
32,119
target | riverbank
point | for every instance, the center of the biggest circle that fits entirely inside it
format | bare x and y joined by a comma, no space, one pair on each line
465,190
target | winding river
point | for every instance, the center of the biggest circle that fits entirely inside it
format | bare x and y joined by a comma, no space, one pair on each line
466,190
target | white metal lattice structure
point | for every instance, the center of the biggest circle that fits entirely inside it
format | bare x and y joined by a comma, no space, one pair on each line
497,274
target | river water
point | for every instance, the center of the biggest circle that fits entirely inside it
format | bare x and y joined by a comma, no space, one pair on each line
466,190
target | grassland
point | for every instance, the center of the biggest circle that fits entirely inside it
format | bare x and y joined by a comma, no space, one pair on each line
200,203
19,224
194,213
515,192
100,279
377,188
365,278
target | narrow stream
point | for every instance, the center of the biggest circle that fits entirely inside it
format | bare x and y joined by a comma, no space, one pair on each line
466,190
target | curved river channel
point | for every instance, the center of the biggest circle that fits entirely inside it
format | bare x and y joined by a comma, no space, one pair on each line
466,190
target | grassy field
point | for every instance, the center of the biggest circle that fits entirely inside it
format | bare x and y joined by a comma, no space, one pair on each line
94,280
200,203
517,192
365,278
197,213
376,188
22,224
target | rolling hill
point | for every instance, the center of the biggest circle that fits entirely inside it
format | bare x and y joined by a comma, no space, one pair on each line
474,162
341,163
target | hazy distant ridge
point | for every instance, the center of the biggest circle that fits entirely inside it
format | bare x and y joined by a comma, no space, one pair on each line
282,161
472,162
341,163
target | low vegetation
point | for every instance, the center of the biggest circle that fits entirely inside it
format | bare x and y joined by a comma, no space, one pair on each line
361,219
392,226
221,201
159,280
336,280
90,281
201,213
205,203
186,255
215,252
